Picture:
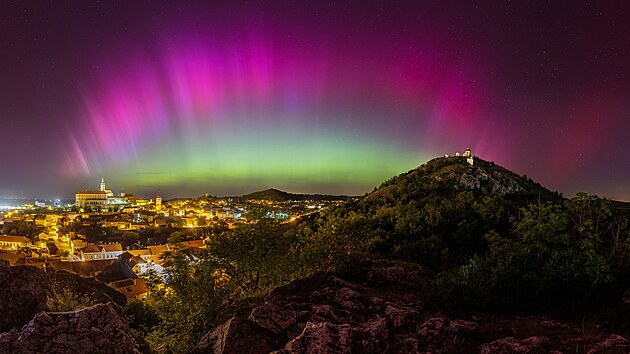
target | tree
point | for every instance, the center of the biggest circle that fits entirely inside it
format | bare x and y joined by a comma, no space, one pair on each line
256,256
548,258
192,301
129,238
339,241
176,237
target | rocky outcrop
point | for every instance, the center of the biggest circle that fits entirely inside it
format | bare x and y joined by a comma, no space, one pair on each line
380,311
97,329
488,182
612,344
236,336
25,291
99,292
513,345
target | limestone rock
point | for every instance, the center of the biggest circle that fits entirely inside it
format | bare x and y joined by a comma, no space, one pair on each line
401,317
322,338
613,344
513,345
25,291
97,329
273,317
409,346
489,182
236,336
379,310
326,337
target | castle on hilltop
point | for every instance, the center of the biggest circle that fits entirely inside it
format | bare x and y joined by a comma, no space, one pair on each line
467,154
102,198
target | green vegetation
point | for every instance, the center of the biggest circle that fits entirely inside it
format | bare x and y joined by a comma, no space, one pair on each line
21,228
553,254
64,299
129,238
258,256
496,242
193,301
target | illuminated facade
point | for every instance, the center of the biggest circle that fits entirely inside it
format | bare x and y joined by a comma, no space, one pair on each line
158,202
91,198
101,251
13,242
469,157
101,198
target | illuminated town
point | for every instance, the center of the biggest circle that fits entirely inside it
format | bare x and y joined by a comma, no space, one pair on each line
101,228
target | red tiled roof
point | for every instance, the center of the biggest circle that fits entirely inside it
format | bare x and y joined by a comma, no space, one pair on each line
192,244
138,260
16,239
131,287
158,249
109,247
91,192
141,252
12,258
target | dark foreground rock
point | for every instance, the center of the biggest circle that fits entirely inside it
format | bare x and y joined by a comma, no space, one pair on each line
380,311
25,291
97,329
237,336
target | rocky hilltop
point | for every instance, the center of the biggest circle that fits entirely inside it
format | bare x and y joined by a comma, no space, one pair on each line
28,326
453,174
383,311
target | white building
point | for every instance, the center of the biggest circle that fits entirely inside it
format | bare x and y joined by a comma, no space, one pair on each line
90,198
101,251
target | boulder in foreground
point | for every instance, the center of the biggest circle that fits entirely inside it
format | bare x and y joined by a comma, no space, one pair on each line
97,329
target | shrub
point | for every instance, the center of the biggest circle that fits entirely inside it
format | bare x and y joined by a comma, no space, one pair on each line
64,299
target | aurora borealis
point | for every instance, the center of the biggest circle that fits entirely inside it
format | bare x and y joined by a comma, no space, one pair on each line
309,97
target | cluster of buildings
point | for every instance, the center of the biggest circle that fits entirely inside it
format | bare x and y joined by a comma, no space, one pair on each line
470,159
60,238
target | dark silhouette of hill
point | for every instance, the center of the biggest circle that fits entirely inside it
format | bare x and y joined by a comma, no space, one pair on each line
622,207
276,195
448,175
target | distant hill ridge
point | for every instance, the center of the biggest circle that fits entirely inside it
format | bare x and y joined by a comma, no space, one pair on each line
276,195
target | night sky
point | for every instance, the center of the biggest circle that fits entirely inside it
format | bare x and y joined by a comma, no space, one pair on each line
311,97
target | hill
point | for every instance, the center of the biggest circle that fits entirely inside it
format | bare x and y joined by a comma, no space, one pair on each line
448,175
276,195
622,207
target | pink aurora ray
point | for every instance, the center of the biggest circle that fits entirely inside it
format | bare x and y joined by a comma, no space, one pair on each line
412,94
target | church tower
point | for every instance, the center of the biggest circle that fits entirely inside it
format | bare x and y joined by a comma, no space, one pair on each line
102,184
158,202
